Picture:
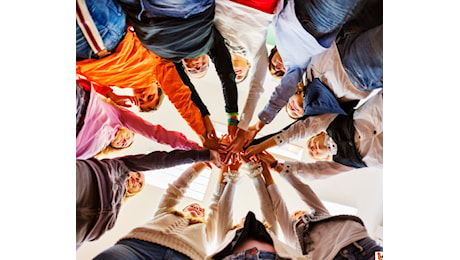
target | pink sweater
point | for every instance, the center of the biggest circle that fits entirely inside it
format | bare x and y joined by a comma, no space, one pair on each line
103,120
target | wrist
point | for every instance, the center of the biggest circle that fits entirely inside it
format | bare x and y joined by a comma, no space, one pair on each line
232,121
274,164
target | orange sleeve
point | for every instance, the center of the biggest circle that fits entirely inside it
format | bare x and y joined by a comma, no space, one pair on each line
179,95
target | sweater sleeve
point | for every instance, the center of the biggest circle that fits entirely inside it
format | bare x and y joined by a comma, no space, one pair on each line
225,211
160,159
175,191
266,204
211,223
157,133
255,87
222,60
180,95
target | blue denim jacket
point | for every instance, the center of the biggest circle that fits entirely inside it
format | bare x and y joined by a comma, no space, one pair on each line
110,21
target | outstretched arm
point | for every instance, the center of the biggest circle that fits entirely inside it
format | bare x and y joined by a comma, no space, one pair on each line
175,191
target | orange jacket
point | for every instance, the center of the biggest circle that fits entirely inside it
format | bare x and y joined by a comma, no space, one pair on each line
133,66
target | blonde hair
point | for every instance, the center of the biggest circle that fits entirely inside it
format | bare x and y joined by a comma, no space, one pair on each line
110,149
191,220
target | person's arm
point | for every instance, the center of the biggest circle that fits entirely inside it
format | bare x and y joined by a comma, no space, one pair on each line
222,60
175,191
195,97
281,94
180,95
243,136
157,133
161,159
299,129
305,192
315,170
256,89
266,205
224,222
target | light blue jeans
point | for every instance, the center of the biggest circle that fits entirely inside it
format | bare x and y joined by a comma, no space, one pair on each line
134,249
110,21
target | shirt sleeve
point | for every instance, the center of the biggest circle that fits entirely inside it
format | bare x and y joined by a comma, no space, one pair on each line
266,205
282,214
160,159
195,97
175,191
281,94
315,170
306,193
222,60
258,74
304,128
156,133
211,223
180,95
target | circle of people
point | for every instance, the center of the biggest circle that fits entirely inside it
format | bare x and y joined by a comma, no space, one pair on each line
328,57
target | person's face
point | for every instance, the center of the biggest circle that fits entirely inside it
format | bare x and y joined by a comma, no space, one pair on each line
294,107
277,64
195,210
136,181
197,67
147,97
317,149
241,67
297,214
123,139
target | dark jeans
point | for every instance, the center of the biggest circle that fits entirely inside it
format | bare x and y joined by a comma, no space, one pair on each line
134,249
363,249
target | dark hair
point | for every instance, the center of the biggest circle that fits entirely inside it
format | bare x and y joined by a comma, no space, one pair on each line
275,73
161,96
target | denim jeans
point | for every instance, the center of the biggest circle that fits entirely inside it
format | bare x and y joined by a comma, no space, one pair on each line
134,249
363,249
110,21
362,59
324,18
171,8
252,254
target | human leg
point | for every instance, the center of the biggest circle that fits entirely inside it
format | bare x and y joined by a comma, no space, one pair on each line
362,59
134,249
363,249
324,18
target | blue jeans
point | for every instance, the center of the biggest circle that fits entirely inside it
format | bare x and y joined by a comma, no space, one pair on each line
362,59
363,249
324,18
110,21
252,254
134,249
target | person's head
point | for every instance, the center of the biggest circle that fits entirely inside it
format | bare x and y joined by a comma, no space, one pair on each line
275,64
123,139
297,214
134,184
197,67
149,98
194,210
241,67
294,107
317,148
